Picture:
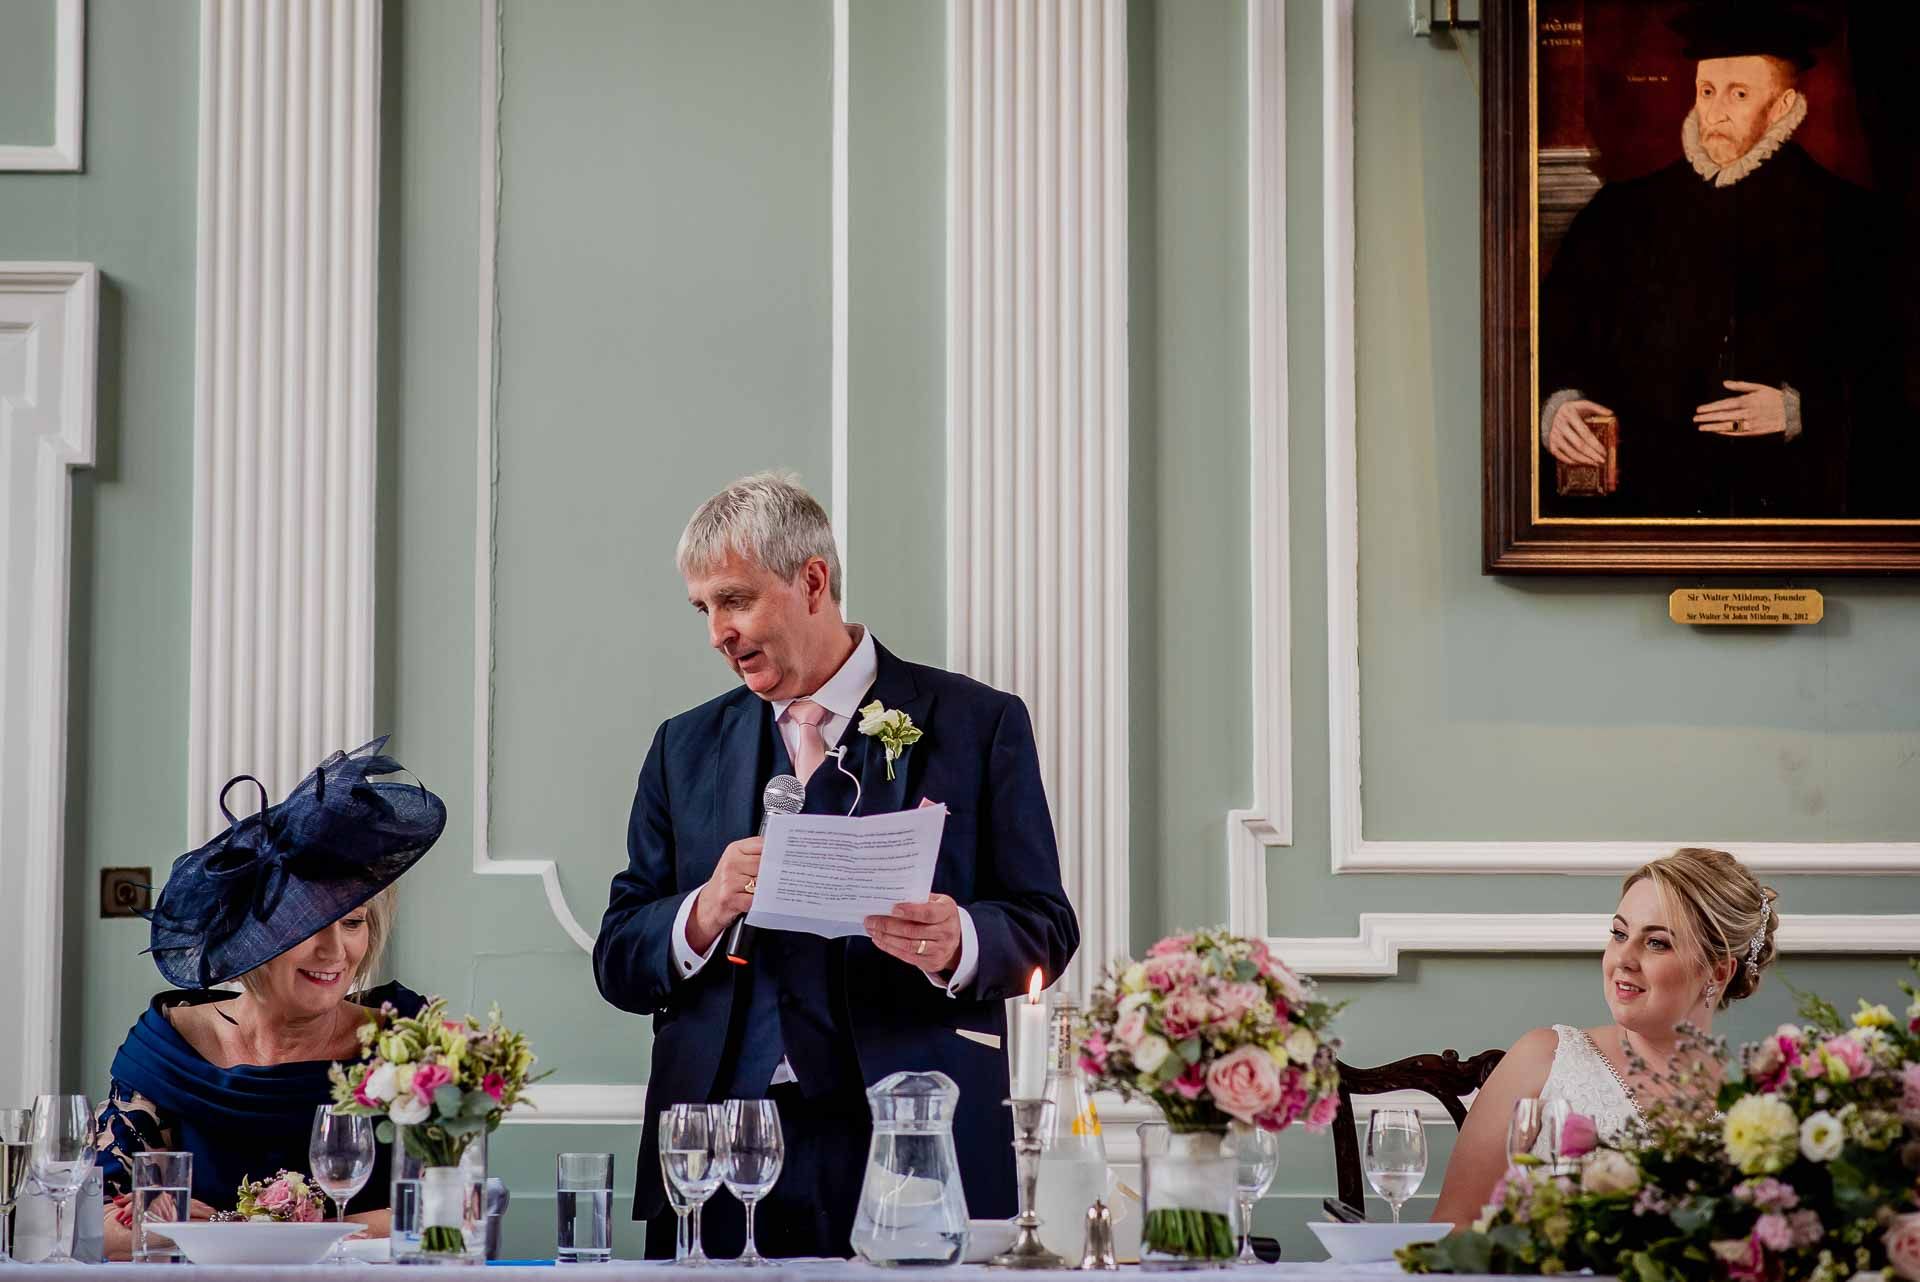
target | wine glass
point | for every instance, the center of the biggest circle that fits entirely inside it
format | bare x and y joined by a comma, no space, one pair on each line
62,1153
680,1208
1396,1158
16,1136
752,1150
690,1146
1256,1158
341,1153
1535,1128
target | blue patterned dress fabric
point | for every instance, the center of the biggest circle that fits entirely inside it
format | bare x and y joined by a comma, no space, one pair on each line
244,1122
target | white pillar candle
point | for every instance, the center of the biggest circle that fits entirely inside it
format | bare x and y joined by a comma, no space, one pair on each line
1030,1044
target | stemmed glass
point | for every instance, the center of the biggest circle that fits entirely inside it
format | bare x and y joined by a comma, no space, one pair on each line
678,1203
341,1153
62,1153
1396,1157
16,1134
752,1151
1256,1158
1534,1127
690,1146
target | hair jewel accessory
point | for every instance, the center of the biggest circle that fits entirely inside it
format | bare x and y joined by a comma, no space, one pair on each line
1759,940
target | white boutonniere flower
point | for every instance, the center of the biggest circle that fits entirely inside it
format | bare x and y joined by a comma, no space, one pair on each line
894,729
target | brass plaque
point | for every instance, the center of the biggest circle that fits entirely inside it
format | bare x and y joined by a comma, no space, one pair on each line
1746,605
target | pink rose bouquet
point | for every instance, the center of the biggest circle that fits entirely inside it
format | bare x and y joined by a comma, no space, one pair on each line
287,1198
1213,1028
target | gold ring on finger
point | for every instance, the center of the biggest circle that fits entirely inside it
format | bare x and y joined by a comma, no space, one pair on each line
920,948
751,883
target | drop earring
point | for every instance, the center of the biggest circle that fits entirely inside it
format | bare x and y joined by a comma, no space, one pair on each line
1712,988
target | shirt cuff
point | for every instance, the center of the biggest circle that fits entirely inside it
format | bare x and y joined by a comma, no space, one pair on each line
969,963
1791,400
1552,408
686,962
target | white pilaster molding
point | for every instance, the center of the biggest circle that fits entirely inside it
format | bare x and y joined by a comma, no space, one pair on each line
1037,408
48,337
283,590
837,408
1268,822
69,97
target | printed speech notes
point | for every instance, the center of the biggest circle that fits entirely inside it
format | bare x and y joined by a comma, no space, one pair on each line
824,874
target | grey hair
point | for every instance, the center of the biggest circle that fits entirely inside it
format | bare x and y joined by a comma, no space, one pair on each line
766,518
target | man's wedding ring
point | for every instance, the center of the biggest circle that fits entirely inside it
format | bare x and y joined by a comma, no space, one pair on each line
751,883
920,948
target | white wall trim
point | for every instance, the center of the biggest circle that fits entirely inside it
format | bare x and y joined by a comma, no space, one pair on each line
284,372
486,442
1382,937
1268,821
69,98
49,312
1037,410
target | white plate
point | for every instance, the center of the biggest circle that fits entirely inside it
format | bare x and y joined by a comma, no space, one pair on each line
1361,1243
254,1243
987,1238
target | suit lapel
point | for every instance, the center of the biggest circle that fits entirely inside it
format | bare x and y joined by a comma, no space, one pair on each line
894,688
736,783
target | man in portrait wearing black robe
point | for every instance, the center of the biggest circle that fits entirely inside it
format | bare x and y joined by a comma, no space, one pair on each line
1732,311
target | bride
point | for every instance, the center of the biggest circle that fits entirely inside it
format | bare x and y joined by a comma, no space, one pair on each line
1692,932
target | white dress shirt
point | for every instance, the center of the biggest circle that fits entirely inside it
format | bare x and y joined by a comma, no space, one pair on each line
840,696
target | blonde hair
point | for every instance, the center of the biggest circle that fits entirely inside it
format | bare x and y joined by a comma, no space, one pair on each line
1719,911
767,519
379,912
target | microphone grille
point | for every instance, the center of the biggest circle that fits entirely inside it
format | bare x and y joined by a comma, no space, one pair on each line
784,795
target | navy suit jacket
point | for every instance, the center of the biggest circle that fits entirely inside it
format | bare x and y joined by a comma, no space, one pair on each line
700,789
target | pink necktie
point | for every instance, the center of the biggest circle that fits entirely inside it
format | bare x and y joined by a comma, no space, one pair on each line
811,749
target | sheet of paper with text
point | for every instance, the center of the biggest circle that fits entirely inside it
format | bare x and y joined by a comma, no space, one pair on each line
823,874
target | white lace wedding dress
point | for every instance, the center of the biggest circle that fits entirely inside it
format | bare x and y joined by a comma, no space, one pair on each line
1582,1077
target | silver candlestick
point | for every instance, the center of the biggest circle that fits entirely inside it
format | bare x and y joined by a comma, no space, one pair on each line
1030,1121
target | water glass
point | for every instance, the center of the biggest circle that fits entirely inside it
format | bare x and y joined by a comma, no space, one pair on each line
690,1147
680,1208
340,1151
16,1134
583,1198
751,1154
162,1194
1256,1156
1396,1157
1534,1131
61,1155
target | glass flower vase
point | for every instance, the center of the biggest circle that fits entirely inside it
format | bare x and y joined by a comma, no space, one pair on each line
439,1198
1189,1202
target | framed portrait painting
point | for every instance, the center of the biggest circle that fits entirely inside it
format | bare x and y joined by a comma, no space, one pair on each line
1701,326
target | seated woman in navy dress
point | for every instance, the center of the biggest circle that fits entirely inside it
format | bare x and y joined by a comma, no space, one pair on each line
296,903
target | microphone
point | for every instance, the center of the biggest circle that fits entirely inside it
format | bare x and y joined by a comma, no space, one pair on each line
784,795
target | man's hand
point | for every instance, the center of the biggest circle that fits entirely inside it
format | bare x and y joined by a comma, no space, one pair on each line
1759,410
937,922
1570,440
727,894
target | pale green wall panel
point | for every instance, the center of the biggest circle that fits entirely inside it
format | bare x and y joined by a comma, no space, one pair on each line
897,291
132,214
26,73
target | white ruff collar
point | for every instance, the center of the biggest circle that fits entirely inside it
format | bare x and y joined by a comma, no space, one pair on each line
1726,176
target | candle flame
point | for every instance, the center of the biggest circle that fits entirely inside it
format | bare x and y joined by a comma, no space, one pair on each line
1033,989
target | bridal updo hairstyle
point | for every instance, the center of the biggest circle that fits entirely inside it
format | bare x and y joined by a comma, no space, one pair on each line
1718,910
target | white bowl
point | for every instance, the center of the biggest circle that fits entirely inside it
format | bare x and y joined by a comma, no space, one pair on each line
253,1242
1363,1243
369,1250
987,1238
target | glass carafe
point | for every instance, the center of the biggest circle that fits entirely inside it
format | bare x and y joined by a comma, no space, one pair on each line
912,1208
1073,1156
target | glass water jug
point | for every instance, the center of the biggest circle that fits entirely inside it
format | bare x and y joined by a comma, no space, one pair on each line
913,1210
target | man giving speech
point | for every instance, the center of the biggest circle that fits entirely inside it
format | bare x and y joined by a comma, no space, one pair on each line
811,1022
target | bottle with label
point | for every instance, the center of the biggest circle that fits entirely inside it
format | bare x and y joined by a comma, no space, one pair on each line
1073,1161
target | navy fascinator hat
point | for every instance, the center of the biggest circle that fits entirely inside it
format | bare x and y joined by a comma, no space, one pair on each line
278,876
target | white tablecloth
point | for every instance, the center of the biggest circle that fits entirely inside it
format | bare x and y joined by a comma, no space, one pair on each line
651,1272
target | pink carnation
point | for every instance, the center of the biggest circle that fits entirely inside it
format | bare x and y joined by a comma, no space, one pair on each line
365,1100
1768,1194
1773,1232
1185,1014
1578,1136
1169,971
1807,1229
1293,1099
1850,1053
429,1078
1245,1083
494,1085
1234,1001
1324,1110
1170,945
308,1213
1191,1083
1910,1095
